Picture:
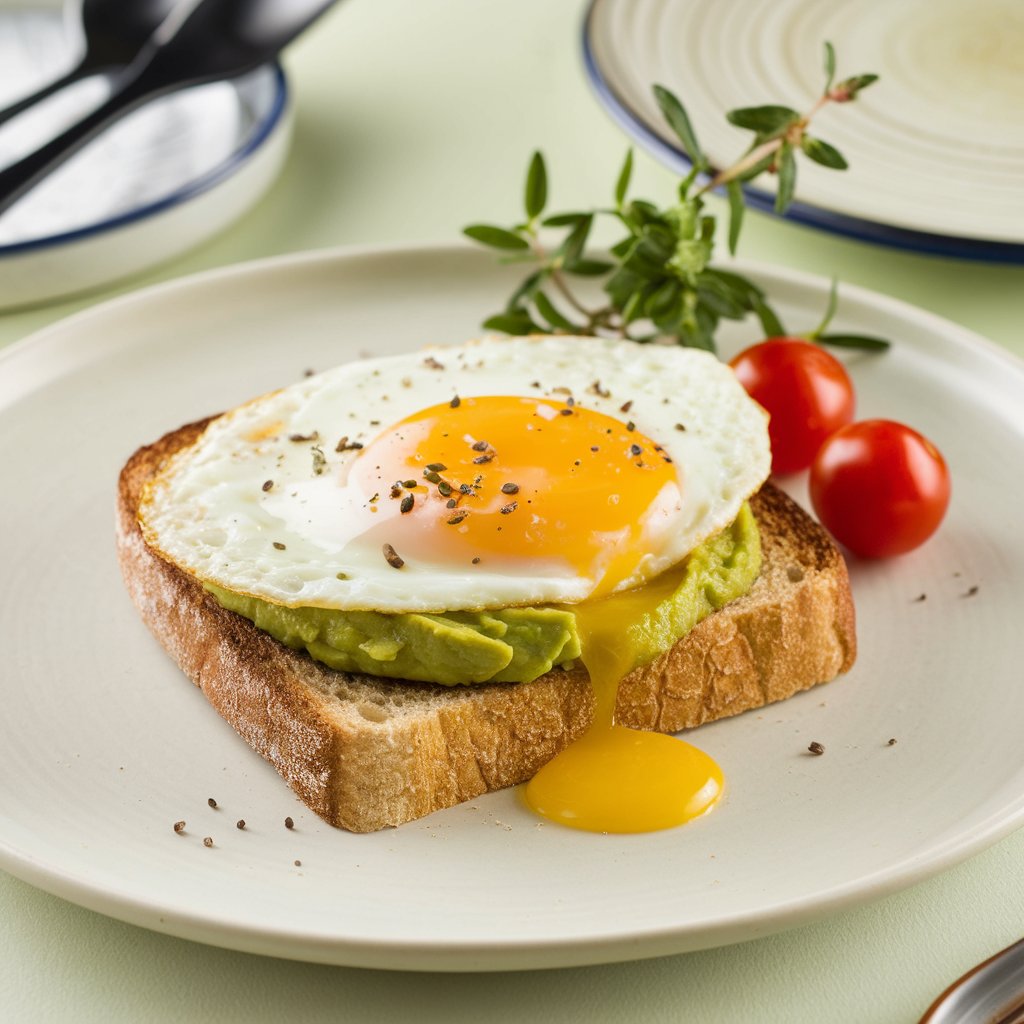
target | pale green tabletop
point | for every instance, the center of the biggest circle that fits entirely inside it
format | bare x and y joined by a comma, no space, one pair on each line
412,120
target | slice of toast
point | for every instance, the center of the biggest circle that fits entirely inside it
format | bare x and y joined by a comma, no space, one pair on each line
364,752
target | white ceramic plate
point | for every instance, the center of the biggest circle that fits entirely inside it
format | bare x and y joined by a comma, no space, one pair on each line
936,147
166,178
104,744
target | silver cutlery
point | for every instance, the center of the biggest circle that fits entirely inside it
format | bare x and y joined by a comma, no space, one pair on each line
991,993
115,31
214,40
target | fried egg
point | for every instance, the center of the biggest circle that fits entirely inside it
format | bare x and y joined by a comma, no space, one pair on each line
502,472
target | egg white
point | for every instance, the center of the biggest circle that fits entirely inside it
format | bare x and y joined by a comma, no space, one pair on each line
297,542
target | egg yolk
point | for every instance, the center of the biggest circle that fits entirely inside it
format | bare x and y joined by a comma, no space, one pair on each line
615,779
528,485
537,484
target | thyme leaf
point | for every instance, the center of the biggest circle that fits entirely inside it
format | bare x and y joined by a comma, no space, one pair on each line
658,280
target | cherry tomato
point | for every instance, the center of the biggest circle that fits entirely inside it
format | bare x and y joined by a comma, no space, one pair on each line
806,392
879,487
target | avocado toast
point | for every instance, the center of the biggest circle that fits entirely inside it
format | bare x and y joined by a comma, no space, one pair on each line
365,752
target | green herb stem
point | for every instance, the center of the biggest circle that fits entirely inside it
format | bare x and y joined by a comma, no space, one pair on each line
660,281
793,134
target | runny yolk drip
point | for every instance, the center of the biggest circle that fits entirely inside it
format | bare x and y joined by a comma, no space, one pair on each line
520,483
615,779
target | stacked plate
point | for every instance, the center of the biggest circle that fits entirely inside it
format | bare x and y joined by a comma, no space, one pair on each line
157,183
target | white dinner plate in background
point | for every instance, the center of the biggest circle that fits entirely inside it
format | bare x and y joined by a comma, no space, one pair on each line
935,147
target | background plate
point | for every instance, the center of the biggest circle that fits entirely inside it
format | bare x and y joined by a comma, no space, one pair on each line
164,179
104,744
936,148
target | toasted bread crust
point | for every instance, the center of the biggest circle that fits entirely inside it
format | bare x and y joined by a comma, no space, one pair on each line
365,753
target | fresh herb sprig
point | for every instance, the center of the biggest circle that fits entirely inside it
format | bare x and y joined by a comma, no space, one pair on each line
659,282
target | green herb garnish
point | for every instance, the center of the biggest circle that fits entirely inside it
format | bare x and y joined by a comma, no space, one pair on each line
659,282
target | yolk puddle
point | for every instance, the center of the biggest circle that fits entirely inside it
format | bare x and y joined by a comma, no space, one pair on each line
615,779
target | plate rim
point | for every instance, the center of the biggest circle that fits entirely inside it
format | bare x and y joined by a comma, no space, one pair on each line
494,953
800,211
799,278
490,954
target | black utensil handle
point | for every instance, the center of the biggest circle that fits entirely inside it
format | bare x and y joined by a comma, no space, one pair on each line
20,106
20,177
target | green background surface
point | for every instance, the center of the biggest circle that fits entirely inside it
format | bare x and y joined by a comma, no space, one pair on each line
413,119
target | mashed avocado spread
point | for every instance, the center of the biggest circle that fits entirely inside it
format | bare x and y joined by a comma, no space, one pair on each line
512,644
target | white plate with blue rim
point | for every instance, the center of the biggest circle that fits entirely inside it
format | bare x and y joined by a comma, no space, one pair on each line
104,744
936,147
166,178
